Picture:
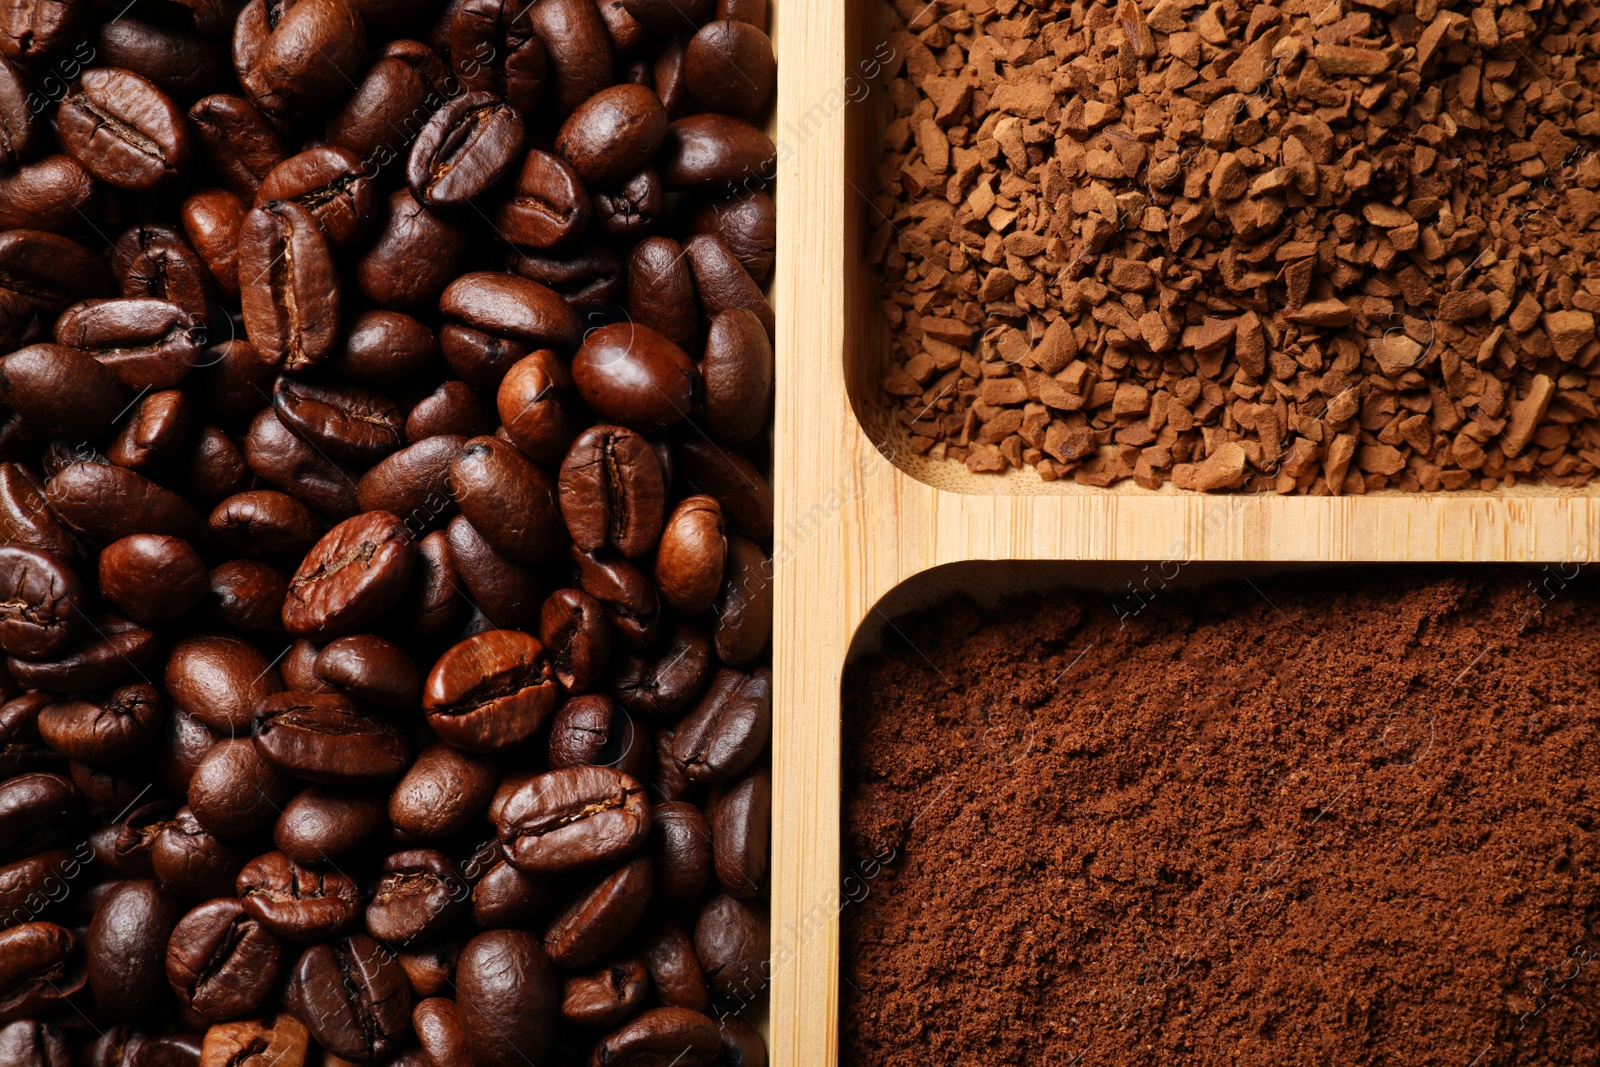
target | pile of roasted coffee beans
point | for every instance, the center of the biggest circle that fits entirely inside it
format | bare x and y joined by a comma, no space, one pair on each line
384,532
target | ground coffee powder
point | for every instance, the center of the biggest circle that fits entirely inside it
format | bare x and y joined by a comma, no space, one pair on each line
1315,246
1312,821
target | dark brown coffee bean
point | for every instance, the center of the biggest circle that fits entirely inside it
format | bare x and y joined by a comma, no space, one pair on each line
418,895
508,594
108,503
16,116
431,969
633,375
371,669
184,743
118,651
613,133
666,679
30,1043
573,628
504,895
153,433
415,255
728,729
741,827
575,37
592,730
537,406
386,348
298,668
151,577
351,577
730,68
506,306
61,391
747,222
742,1046
235,790
674,969
126,948
232,382
611,490
347,423
625,593
731,938
37,969
26,518
752,11
669,16
36,810
173,272
737,371
123,129
112,728
507,997
324,738
48,271
548,207
606,998
353,996
454,409
211,219
508,500
222,962
573,817
723,283
321,823
588,275
192,862
744,494
296,902
332,184
288,283
439,1033
632,209
662,1035
238,141
435,603
287,461
219,679
247,595
309,56
681,845
147,343
54,193
692,554
442,794
42,612
709,153
469,146
490,692
661,290
127,844
744,606
378,119
264,522
601,916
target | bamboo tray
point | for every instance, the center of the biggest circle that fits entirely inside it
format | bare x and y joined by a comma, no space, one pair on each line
854,523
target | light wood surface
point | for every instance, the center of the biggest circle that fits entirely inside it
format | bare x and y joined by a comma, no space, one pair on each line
852,525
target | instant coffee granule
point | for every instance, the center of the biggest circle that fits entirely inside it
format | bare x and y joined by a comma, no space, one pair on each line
1311,821
1323,246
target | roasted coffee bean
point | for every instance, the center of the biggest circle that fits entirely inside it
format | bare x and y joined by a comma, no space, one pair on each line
741,826
172,272
633,375
107,730
386,348
744,606
21,749
742,1046
25,517
573,817
123,129
506,593
548,207
30,1043
507,997
430,969
439,1033
415,255
371,669
675,970
728,729
211,219
280,1041
37,969
606,998
467,148
233,382
61,391
48,271
247,595
30,886
747,222
537,403
661,290
744,494
296,902
147,343
594,730
626,595
212,469
504,895
301,58
575,37
729,67
236,790
16,117
42,613
126,948
239,142
453,409
183,745
442,794
153,433
118,651
669,16
709,153
36,811
353,996
127,845
611,491
660,1035
612,134
573,628
504,306
731,939
192,862
351,577
54,193
325,738
681,846
222,962
692,554
435,604
722,282
322,823
588,275
377,120
288,284
108,503
418,895
152,578
264,522
345,422
219,679
284,460
508,500
332,184
490,692
493,49
298,669
414,483
666,679
633,208
737,371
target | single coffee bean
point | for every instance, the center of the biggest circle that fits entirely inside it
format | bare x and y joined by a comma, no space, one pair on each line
151,577
747,222
221,962
741,827
113,728
371,669
36,810
537,406
288,462
664,680
414,483
42,614
611,490
506,593
737,371
353,996
453,409
211,219
431,969
575,37
600,917
49,271
351,577
467,148
332,184
238,141
310,53
679,1035
26,518
322,823
612,134
288,283
728,729
493,49
507,306
508,500
61,391
626,595
172,272
298,670
661,291
507,997
731,938
439,1033
573,817
669,16
264,522
123,129
348,423
21,749
442,793
375,122
296,902
708,153
30,1043
418,895
235,790
675,970
184,744
54,193
606,998
681,846
108,503
435,603
504,895
730,68
742,1045
632,209
30,886
280,1041
548,206
490,692
325,738
126,947
414,256
744,494
574,631
634,375
247,595
588,275
192,862
147,343
723,283
386,348
594,730
155,431
692,554
744,606
219,679
118,651
37,969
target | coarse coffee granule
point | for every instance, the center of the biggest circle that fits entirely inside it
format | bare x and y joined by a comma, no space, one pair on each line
1318,246
1318,820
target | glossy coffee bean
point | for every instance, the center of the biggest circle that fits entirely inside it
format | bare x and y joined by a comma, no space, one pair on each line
211,219
731,938
16,117
147,343
124,130
737,372
419,893
351,577
587,275
742,1045
370,669
126,948
430,968
661,290
575,37
507,997
442,793
54,194
347,423
605,998
35,810
506,593
538,406
219,679
414,483
634,375
302,58
155,431
435,604
490,692
38,969
508,500
25,517
681,847
439,1033
665,679
723,283
264,522
600,917
280,1041
193,863
612,134
730,68
469,146
452,409
504,895
594,730
747,222
235,790
728,729
80,494
247,595
42,614
373,123
507,306
745,496
709,153
221,962
744,605
30,1043
288,284
152,578
493,49
741,826
322,823
675,970
632,209
109,729
626,594
288,462
332,184
325,738
692,555
549,205
573,817
611,491
688,1037
184,743
414,256
573,627
118,651
237,140
297,902
61,392
353,996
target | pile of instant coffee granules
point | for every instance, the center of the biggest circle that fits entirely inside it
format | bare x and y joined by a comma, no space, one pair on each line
1353,824
1319,247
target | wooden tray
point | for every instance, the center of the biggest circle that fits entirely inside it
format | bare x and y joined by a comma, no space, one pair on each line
852,523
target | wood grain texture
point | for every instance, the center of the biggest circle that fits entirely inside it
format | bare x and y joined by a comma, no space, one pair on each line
852,524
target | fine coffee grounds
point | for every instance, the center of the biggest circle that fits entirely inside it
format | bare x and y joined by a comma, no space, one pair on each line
1313,821
1319,246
